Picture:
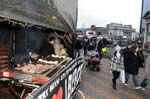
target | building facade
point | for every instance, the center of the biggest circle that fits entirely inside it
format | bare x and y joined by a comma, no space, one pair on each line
96,30
144,9
147,30
119,31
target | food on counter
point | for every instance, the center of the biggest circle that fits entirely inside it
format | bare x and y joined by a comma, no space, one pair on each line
35,69
56,56
47,62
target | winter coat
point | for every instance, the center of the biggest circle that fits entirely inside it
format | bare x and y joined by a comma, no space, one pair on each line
78,44
116,63
100,45
91,47
130,62
85,44
141,58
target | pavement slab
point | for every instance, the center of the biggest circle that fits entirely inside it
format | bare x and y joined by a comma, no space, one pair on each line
98,85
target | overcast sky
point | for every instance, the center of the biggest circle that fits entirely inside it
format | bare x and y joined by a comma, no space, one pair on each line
102,12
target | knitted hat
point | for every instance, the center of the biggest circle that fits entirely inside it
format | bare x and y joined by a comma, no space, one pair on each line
117,47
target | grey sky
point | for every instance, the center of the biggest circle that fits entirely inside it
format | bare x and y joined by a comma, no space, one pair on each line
102,12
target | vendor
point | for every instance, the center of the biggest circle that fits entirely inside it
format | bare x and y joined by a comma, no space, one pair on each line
59,48
48,47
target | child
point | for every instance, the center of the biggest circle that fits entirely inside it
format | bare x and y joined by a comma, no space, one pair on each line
116,64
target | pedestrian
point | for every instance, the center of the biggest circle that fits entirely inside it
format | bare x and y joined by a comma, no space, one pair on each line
131,65
146,80
100,45
95,42
77,47
85,45
116,65
91,45
140,56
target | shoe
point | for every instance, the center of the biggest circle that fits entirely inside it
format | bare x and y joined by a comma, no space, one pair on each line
137,87
143,89
114,87
125,84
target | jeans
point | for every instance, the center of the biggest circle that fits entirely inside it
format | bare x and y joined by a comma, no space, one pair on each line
100,55
135,79
77,53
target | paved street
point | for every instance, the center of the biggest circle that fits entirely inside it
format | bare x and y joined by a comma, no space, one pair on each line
98,85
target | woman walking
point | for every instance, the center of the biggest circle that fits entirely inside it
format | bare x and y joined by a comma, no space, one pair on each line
116,65
131,64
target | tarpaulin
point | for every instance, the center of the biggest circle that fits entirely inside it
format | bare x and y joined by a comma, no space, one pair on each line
56,14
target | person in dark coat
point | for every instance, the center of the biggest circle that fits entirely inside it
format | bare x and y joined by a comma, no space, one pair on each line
126,52
77,47
141,57
91,45
100,45
85,45
131,65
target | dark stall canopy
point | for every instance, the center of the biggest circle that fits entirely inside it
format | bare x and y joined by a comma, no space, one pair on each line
56,14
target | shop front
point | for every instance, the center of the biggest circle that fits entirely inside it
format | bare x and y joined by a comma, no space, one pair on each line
37,48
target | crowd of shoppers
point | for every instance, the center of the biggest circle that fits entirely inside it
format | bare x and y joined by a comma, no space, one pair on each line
89,44
131,59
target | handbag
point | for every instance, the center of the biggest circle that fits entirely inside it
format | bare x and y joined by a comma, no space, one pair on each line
104,49
122,76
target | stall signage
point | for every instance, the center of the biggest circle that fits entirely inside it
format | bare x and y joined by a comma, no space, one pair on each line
63,86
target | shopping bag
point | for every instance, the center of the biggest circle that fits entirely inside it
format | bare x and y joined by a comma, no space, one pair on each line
122,76
104,49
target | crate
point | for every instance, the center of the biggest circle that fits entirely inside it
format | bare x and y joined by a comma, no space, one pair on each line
4,56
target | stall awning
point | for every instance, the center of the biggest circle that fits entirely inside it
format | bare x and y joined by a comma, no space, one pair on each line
56,14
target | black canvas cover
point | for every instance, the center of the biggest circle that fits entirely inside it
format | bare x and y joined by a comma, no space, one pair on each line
56,14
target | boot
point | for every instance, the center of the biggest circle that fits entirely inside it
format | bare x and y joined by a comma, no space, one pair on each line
114,84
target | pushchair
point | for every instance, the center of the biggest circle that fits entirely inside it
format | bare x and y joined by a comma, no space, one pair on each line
93,60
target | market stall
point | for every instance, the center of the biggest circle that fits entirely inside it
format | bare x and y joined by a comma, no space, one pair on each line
26,70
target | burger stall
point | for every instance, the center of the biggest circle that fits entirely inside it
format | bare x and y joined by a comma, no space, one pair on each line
25,26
